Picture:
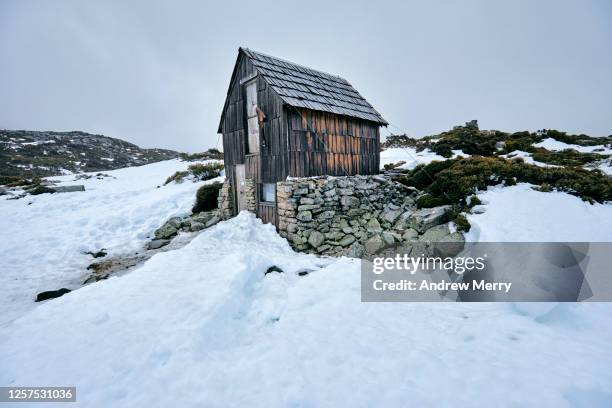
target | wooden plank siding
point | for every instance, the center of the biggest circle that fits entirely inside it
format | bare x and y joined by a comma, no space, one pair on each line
267,212
323,143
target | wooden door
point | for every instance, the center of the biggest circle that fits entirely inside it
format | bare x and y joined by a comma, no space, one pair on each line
240,188
252,123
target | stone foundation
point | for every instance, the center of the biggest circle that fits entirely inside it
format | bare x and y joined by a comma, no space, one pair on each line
224,201
356,215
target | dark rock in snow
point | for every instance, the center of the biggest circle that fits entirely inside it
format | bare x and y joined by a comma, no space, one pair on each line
274,268
157,243
51,294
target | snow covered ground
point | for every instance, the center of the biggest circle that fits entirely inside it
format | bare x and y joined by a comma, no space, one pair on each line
526,158
557,146
203,326
412,157
45,238
521,214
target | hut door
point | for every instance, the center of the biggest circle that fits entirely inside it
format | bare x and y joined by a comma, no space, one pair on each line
240,188
253,124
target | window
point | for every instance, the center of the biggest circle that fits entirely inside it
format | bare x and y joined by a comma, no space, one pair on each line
268,192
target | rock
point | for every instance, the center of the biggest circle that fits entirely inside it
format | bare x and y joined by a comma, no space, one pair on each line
373,226
68,189
356,250
347,230
292,227
410,235
349,201
403,222
334,235
500,145
445,243
169,229
212,221
196,226
425,218
202,217
304,216
374,244
274,268
316,239
51,294
388,238
307,201
390,215
347,240
157,243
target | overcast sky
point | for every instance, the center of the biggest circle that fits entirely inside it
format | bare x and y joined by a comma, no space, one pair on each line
156,73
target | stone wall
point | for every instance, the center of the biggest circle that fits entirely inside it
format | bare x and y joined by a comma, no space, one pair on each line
224,201
250,195
356,216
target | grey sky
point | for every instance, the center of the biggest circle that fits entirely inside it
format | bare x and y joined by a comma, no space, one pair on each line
156,73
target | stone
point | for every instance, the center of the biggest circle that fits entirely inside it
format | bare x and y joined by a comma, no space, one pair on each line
51,294
350,201
304,216
157,243
347,230
323,248
410,235
425,218
326,214
444,242
292,227
169,229
306,200
373,226
316,239
196,226
272,269
391,214
356,250
68,189
212,221
403,222
388,238
330,193
347,240
374,244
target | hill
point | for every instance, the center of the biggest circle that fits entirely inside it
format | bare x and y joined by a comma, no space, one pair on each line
26,153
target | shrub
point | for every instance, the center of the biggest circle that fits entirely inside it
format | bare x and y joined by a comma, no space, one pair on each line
13,181
40,189
206,197
474,201
456,179
568,157
210,154
462,223
206,171
177,177
581,140
429,201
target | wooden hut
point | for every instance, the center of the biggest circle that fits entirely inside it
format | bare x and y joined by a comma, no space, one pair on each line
282,119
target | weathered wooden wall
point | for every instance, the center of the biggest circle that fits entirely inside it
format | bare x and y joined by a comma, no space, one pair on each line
324,143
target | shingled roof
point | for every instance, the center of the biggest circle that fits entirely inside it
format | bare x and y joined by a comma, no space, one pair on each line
304,87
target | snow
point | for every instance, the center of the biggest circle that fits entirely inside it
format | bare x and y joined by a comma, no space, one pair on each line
203,326
521,214
526,158
412,157
45,237
557,146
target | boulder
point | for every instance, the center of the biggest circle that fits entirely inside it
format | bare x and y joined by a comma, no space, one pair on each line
349,201
425,218
388,238
212,221
373,226
403,222
169,229
410,235
68,189
356,250
374,244
316,239
51,294
391,213
196,226
444,241
157,243
347,240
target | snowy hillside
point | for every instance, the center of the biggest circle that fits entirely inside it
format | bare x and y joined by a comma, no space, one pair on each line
204,325
50,234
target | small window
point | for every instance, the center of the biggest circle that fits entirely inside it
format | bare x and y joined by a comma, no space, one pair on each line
268,192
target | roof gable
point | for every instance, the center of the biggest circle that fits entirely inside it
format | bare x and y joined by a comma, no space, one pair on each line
304,87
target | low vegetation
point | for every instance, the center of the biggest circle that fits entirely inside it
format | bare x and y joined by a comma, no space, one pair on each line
198,171
454,180
206,197
210,154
